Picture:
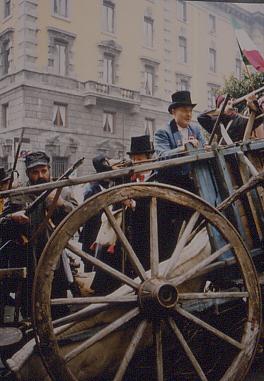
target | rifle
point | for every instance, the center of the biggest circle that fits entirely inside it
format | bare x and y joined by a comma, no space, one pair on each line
16,159
243,99
40,199
218,120
45,194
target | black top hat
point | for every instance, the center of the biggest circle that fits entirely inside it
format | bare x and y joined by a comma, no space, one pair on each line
34,159
140,144
181,98
4,175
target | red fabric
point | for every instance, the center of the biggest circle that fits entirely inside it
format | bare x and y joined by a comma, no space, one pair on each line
255,58
111,249
137,176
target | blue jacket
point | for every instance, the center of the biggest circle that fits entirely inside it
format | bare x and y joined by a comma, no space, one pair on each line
165,141
169,138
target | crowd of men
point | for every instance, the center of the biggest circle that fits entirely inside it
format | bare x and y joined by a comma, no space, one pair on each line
23,235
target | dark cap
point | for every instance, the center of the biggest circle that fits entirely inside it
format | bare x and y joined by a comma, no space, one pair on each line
4,175
34,159
100,163
140,144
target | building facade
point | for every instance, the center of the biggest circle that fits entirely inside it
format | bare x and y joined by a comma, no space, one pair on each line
82,77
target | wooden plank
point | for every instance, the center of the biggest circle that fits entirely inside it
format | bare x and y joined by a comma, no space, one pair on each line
226,186
249,126
253,199
154,244
207,189
19,272
198,155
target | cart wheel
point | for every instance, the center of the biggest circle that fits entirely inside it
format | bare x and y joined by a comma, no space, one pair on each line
164,324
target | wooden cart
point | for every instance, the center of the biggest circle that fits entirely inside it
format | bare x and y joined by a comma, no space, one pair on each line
193,315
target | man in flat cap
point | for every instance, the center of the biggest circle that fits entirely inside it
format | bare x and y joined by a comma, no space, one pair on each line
17,226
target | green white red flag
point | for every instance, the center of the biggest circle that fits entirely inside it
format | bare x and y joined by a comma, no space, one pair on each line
250,54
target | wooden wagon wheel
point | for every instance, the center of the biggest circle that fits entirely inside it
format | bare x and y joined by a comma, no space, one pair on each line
150,312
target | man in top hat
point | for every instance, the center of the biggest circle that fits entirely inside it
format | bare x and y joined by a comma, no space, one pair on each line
137,211
179,131
15,225
169,141
141,149
174,137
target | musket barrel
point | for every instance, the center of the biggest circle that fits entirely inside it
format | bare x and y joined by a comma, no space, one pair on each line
242,99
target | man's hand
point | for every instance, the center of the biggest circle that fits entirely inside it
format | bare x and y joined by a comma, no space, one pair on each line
251,102
19,217
51,197
194,142
129,203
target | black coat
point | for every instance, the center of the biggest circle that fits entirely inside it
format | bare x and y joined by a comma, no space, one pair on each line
237,128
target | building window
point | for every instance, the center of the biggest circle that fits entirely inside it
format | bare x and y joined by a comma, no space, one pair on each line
59,166
60,58
149,127
238,68
108,71
7,8
60,8
4,162
5,115
212,60
149,80
148,32
184,85
5,56
183,82
182,10
212,91
60,52
212,24
109,16
59,115
108,122
182,49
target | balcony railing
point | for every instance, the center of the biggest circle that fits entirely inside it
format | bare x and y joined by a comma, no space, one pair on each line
103,90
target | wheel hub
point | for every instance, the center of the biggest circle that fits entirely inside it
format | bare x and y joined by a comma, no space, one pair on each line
157,296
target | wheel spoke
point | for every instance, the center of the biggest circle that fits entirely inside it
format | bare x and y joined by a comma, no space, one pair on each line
187,350
123,239
95,299
194,270
101,334
213,295
82,314
154,242
159,351
130,351
209,328
181,243
103,266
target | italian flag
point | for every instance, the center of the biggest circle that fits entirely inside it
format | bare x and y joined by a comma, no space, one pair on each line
249,51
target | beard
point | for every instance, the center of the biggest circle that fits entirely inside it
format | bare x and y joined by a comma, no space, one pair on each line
41,181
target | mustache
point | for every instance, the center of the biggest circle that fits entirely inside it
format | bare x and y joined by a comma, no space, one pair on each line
41,181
